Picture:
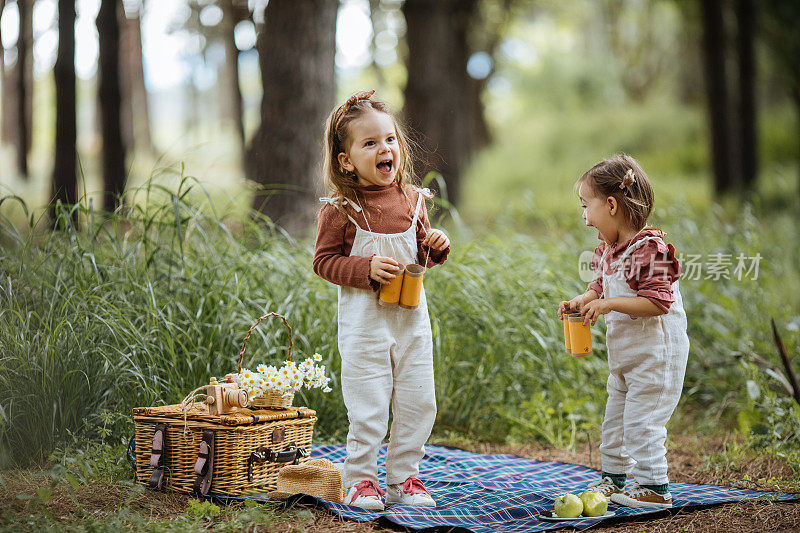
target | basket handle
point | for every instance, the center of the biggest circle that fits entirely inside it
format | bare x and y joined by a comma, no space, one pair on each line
262,454
244,344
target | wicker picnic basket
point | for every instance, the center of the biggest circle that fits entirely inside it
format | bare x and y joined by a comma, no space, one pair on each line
187,449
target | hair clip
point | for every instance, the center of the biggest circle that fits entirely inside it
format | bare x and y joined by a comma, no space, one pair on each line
365,95
628,179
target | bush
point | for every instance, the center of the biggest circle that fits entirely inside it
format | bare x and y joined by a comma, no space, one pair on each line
141,307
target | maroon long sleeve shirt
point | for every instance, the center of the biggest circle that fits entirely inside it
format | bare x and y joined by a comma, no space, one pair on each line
385,210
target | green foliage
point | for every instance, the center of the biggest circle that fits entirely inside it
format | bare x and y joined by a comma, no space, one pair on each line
144,306
769,417
202,509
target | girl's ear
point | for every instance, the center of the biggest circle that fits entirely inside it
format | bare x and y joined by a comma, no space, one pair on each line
344,161
612,204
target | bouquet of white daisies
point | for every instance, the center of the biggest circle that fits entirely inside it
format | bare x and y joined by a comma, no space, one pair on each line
285,380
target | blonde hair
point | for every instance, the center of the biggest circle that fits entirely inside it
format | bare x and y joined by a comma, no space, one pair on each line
622,178
337,139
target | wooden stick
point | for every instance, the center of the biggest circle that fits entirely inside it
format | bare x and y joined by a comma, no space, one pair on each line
772,371
786,363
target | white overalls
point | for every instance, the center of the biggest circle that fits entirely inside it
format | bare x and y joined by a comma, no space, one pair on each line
647,362
387,354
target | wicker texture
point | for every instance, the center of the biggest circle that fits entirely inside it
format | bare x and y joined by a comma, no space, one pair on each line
273,400
237,436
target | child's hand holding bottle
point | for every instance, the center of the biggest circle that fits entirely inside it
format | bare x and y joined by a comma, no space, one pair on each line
577,303
383,269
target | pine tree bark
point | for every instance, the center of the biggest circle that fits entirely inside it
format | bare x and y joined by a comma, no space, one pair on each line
66,162
439,95
231,93
126,111
135,107
5,124
296,54
796,98
748,141
110,100
717,96
23,80
779,21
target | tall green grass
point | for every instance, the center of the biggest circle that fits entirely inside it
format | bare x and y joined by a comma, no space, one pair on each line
141,306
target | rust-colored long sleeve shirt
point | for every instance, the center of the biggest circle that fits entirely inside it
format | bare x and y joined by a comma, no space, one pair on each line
385,210
650,271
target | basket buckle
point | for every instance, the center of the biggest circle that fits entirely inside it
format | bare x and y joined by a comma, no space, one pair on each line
262,454
204,466
157,457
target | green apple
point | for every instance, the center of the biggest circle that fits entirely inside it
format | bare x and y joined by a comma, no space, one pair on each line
594,503
568,506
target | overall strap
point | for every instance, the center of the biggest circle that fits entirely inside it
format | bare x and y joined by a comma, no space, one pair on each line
603,257
423,193
338,202
633,247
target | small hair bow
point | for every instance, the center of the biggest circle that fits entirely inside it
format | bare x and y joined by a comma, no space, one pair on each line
365,95
339,202
628,179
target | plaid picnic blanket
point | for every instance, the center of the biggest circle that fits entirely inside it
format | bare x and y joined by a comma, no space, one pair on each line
505,493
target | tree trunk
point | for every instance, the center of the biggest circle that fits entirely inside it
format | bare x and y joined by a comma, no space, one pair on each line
717,94
66,162
779,21
796,97
690,75
135,108
23,79
110,100
748,143
139,101
5,124
231,93
377,24
126,111
481,135
438,102
296,54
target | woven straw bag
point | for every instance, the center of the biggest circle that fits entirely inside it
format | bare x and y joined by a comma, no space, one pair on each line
270,399
319,478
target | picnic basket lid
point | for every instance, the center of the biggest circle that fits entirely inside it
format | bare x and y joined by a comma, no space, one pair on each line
198,412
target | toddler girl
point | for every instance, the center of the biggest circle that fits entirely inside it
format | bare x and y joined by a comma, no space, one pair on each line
637,289
374,222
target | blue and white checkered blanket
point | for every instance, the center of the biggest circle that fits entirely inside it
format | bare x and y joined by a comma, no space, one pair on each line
505,493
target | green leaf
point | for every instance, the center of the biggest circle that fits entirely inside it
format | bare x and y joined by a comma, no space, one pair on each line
44,494
73,481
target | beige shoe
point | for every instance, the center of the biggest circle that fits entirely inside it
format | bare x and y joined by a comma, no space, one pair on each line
412,492
605,486
637,496
365,494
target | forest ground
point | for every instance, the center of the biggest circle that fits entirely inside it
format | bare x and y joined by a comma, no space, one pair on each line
112,505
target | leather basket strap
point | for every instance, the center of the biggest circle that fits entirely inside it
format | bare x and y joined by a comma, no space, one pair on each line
204,466
157,457
262,454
